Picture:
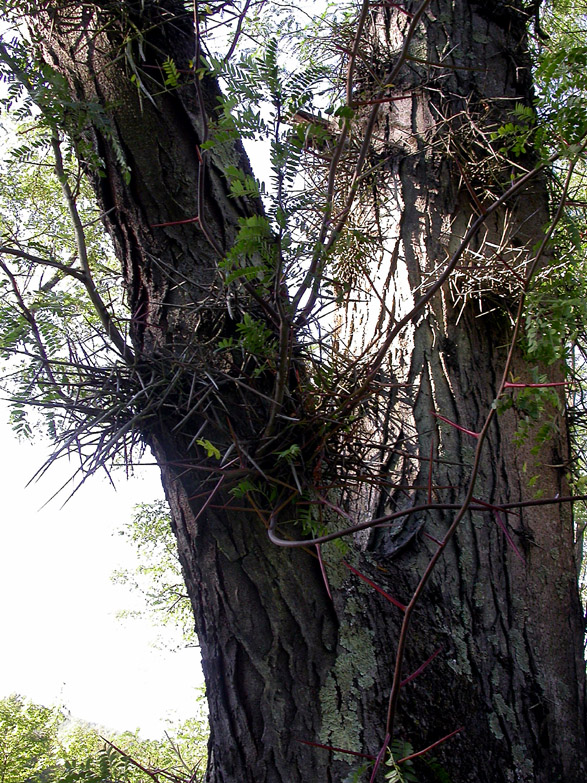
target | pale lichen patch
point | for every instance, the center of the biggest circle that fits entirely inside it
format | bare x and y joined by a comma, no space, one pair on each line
340,696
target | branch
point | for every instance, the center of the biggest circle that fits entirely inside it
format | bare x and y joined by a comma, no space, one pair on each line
237,34
105,317
68,270
30,318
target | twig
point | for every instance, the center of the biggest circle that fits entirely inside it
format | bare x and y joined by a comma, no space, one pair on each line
102,311
68,270
430,747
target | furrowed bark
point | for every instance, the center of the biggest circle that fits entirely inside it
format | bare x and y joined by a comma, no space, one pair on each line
504,617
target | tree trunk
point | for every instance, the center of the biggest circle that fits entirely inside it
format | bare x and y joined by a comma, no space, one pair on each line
285,664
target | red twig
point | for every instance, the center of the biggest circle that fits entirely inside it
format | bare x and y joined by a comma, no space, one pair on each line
332,749
430,471
323,570
491,506
175,222
397,6
388,99
420,669
430,747
334,507
392,600
501,523
508,385
456,426
432,538
379,758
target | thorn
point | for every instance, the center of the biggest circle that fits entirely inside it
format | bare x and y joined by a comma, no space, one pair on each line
432,538
456,426
420,669
175,222
392,600
379,758
430,470
510,540
508,385
332,749
324,576
430,747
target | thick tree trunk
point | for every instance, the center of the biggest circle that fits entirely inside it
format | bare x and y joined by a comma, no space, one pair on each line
285,665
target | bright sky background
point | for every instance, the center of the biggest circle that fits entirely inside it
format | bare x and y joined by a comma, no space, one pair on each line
61,640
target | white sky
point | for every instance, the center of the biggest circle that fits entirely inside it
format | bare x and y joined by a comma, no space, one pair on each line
61,640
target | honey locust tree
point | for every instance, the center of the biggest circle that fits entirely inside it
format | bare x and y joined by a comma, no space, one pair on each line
365,453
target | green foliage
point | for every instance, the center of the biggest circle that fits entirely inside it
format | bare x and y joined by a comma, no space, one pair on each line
43,745
172,75
29,742
262,98
442,775
515,137
242,184
539,412
52,349
255,336
211,450
359,774
289,454
266,494
562,77
252,256
397,773
36,92
255,339
105,764
243,488
556,309
158,576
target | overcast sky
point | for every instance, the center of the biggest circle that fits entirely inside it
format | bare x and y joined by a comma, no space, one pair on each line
61,640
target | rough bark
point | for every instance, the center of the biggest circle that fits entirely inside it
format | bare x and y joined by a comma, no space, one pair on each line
283,663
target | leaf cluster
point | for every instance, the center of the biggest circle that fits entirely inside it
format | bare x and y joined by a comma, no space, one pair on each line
397,773
561,77
37,94
261,103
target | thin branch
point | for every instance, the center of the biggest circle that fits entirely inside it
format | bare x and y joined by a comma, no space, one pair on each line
102,311
430,747
65,268
237,34
388,518
30,318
